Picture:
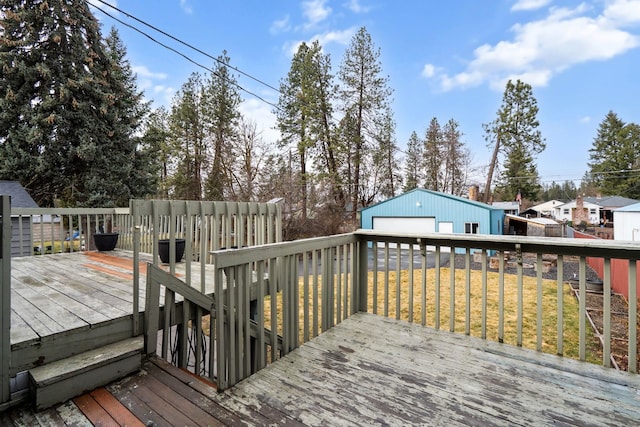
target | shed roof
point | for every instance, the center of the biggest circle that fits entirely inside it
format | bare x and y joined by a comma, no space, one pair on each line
439,194
541,221
629,208
19,196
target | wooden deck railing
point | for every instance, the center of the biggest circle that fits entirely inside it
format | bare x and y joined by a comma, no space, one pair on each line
310,285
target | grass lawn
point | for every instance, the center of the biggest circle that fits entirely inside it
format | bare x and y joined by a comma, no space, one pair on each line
529,328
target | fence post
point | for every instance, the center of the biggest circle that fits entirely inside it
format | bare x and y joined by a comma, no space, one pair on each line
5,297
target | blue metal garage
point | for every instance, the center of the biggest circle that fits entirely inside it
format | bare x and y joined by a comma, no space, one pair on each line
429,211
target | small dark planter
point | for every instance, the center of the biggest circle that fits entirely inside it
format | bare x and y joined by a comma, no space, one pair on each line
163,250
105,241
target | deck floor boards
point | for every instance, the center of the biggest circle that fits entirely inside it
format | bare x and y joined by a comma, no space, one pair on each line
375,371
367,370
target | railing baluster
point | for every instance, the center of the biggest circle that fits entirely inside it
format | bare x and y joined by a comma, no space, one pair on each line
633,317
423,302
398,290
520,295
606,314
539,302
386,280
483,332
500,296
437,289
582,311
452,289
374,248
467,291
410,288
316,302
560,304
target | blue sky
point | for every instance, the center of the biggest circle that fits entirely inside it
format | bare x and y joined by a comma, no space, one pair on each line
444,59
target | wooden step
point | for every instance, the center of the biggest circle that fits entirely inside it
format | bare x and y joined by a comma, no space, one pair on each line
61,380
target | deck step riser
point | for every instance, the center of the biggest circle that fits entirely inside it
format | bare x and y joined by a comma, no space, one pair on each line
64,379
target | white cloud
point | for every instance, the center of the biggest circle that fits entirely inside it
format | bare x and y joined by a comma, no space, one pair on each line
264,118
98,14
280,25
144,72
315,11
585,119
529,4
186,7
541,49
428,71
356,7
342,37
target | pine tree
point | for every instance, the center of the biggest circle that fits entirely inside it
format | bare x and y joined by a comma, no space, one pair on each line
615,159
515,134
305,121
456,159
221,109
433,156
413,163
67,106
365,96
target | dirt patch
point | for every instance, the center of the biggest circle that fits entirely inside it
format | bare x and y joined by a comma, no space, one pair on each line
619,326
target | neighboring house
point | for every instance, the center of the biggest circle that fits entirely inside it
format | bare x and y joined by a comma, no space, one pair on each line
426,211
20,227
509,208
608,204
547,209
627,223
542,227
578,211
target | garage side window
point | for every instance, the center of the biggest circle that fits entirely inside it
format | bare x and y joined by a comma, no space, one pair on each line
471,227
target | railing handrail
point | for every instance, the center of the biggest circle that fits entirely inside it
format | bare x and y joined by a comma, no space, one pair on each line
599,248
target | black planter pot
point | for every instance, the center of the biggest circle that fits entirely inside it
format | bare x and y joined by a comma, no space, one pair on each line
105,241
163,250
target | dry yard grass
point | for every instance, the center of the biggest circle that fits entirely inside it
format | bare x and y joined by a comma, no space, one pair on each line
529,320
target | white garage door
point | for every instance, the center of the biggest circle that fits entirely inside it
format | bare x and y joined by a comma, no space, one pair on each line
405,224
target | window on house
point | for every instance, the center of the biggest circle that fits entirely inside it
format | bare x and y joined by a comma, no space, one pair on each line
471,227
565,211
592,211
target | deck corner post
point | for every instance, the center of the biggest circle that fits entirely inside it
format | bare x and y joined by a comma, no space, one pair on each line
5,298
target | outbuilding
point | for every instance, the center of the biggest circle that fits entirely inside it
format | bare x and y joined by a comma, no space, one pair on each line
627,223
426,211
20,226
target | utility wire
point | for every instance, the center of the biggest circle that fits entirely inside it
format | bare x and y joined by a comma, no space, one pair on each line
190,46
184,55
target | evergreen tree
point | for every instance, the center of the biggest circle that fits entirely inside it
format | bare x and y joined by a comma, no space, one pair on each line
456,159
433,156
516,136
221,112
614,158
188,125
413,163
365,97
304,118
385,161
68,106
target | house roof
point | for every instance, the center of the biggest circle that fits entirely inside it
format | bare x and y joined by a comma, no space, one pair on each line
19,196
439,194
550,205
611,201
506,205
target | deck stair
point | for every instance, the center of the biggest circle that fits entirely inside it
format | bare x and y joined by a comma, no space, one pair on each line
66,378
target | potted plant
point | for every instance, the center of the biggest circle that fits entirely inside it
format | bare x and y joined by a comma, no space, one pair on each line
105,241
163,249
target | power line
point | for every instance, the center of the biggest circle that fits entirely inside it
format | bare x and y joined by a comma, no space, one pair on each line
184,55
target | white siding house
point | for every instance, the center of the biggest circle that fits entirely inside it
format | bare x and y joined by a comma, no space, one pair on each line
567,212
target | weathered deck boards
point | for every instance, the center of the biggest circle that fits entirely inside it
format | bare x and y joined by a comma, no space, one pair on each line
61,292
370,370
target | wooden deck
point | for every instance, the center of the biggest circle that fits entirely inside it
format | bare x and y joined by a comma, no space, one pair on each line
370,370
80,299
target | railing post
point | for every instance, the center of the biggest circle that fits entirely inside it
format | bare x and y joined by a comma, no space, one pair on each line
361,279
135,212
5,297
